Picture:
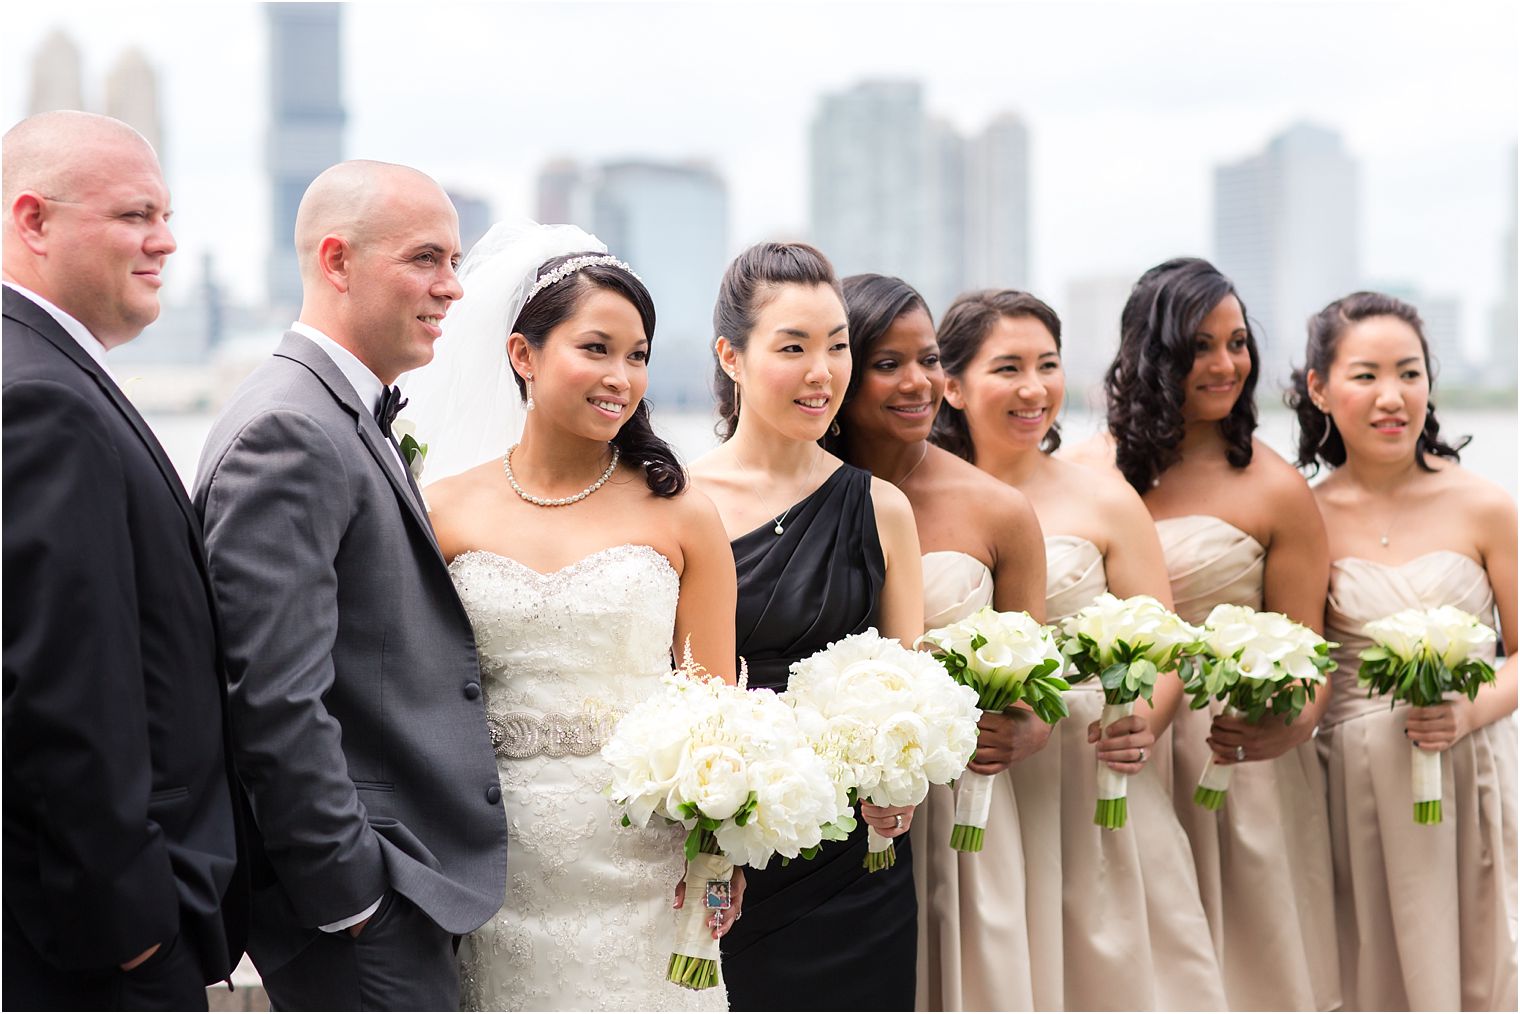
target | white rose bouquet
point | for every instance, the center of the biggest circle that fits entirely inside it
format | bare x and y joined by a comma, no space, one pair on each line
1420,655
1256,662
733,767
1005,658
1124,644
889,722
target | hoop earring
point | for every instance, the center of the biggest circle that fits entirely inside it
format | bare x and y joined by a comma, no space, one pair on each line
530,393
1324,436
834,430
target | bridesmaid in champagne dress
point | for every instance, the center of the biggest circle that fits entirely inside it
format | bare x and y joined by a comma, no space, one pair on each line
1131,925
981,928
1426,913
1238,525
823,550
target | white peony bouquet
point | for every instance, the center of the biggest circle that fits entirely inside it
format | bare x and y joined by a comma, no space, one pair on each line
1257,663
1005,658
1125,644
1419,656
889,722
733,767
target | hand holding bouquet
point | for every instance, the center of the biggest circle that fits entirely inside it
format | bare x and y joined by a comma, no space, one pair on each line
733,767
1256,662
888,721
1419,655
1005,658
1124,644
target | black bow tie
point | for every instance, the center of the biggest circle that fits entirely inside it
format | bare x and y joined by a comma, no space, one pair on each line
391,404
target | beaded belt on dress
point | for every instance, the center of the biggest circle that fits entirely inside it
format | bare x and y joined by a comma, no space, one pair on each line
522,734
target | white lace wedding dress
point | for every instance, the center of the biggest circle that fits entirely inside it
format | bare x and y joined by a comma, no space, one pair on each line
587,923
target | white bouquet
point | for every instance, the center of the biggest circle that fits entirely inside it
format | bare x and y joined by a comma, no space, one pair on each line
889,721
733,767
1256,662
1005,658
1124,644
1420,655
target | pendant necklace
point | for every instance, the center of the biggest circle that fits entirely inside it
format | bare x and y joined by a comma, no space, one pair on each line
766,507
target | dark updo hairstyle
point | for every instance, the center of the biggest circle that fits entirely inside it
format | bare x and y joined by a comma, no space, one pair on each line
551,307
964,327
1319,441
748,284
874,302
1146,385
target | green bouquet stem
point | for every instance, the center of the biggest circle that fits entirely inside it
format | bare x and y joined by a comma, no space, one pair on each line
966,838
1428,813
1112,813
884,860
1209,799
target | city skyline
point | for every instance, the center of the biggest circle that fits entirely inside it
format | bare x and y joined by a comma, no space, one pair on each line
1123,144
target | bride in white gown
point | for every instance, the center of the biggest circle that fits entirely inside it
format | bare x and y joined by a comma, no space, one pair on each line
582,558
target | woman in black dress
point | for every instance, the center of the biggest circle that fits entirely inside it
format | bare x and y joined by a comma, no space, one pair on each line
823,551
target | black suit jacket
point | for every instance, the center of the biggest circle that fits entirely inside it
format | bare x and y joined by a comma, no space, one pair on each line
121,819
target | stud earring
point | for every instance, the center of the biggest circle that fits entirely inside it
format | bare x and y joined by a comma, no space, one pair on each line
530,394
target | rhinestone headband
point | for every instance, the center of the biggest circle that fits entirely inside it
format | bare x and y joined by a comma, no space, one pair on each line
573,265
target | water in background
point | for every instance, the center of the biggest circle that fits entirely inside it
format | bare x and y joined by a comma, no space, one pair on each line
1491,453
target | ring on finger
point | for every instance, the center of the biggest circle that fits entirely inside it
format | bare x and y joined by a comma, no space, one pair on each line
898,825
1240,752
1142,755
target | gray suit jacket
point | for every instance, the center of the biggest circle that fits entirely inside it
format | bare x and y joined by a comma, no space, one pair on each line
358,725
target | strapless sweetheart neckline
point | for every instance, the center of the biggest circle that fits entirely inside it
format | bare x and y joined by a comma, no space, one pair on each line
1211,517
572,566
1411,560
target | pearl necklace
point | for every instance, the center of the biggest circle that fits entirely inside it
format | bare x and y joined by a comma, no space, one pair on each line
564,501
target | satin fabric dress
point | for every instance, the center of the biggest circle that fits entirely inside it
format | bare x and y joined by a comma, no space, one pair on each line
821,933
974,919
1426,913
1263,859
1115,921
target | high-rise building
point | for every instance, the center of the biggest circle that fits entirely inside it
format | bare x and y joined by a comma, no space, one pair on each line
474,216
997,206
1090,333
306,120
1505,340
1285,231
669,221
132,96
57,75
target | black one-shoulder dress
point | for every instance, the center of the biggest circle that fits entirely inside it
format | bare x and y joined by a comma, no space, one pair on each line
822,933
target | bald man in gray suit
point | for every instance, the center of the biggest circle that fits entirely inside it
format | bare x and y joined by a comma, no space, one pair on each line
360,732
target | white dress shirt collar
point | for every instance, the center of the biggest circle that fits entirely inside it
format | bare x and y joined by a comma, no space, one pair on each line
361,378
75,329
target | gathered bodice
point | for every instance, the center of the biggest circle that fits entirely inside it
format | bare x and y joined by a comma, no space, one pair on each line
595,632
1074,575
1210,561
1362,591
956,585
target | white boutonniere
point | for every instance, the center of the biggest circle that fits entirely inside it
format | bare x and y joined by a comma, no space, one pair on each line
413,452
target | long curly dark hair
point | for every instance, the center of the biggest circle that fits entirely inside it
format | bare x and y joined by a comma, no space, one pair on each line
961,333
873,302
1319,440
636,440
1146,383
748,284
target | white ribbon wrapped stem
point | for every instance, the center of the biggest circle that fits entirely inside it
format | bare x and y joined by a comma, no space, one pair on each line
1425,774
1112,784
694,937
1214,776
973,799
876,841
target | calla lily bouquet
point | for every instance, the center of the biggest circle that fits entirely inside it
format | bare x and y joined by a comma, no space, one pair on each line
1005,658
734,768
888,721
1419,656
1124,644
1257,663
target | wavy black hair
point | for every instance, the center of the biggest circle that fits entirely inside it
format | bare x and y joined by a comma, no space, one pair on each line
636,440
1146,383
1319,440
748,284
873,303
966,324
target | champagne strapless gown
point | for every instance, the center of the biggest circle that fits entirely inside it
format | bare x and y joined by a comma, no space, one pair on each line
1263,860
975,926
1426,914
1066,916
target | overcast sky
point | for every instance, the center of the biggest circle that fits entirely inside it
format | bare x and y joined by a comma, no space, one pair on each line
1130,105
